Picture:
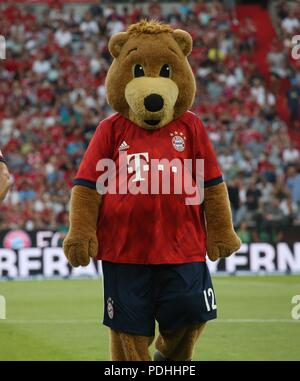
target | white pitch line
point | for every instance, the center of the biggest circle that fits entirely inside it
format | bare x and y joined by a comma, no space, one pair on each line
255,321
48,321
93,321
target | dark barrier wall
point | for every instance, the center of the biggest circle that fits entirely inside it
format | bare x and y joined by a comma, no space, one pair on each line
39,253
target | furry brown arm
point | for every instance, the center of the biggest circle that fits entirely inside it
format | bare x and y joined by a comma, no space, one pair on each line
81,241
222,241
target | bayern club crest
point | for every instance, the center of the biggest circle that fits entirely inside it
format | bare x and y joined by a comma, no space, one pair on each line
16,239
178,140
110,308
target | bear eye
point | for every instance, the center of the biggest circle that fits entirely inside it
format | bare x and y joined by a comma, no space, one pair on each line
138,71
165,71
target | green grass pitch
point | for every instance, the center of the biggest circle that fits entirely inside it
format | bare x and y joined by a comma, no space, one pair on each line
61,320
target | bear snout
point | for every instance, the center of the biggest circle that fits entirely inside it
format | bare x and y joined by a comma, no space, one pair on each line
154,102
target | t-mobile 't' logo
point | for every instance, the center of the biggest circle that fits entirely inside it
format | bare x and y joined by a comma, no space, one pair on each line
135,159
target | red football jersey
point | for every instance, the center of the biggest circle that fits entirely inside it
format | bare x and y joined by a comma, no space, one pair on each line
153,223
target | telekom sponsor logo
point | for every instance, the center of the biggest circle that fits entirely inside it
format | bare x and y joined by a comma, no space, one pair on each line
137,173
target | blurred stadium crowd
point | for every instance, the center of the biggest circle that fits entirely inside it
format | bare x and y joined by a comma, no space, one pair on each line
52,97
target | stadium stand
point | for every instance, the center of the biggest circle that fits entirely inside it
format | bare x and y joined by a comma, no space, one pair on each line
52,97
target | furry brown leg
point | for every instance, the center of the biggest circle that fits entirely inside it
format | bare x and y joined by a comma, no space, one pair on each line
127,347
179,345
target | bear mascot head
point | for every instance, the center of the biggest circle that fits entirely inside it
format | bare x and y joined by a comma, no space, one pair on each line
151,86
150,80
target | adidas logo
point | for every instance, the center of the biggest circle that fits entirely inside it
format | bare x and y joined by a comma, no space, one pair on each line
123,146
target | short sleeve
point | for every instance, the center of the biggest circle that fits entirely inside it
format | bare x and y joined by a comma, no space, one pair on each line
100,147
204,150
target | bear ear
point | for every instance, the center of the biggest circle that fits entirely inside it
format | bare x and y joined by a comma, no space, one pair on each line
184,40
116,43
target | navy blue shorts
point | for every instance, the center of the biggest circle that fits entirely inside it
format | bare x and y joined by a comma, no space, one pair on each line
174,295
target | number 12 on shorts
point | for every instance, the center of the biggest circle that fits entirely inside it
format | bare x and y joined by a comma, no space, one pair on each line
209,298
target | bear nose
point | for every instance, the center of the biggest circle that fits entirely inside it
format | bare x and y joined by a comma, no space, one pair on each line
154,102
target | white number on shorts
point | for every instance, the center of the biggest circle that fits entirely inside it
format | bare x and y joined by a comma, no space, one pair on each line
210,293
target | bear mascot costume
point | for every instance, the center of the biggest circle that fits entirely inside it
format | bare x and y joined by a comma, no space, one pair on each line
152,244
